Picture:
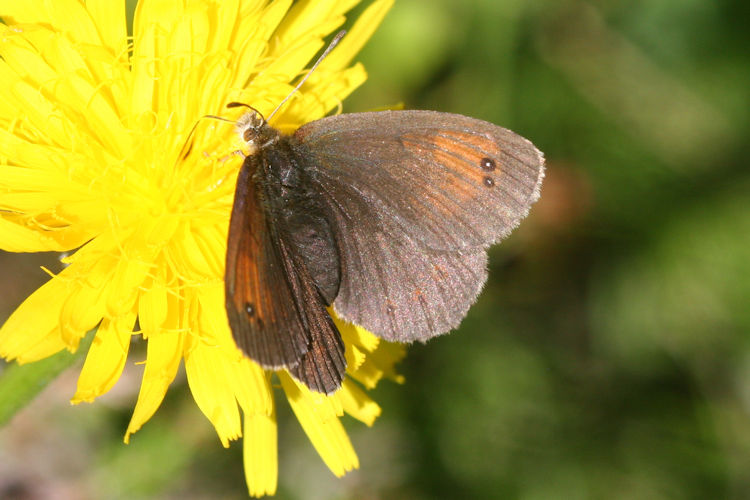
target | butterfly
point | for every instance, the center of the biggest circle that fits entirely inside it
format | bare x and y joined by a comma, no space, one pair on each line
386,216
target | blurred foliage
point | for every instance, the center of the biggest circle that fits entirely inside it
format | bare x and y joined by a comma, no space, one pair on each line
608,356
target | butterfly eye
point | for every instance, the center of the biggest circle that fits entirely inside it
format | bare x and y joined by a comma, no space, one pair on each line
249,134
487,164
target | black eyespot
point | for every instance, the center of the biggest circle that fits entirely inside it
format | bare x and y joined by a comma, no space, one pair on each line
487,164
489,182
250,309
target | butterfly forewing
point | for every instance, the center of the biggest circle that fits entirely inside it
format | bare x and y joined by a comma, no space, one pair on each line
276,250
448,181
259,298
323,366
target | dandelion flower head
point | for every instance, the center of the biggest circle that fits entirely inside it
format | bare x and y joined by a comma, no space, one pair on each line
97,160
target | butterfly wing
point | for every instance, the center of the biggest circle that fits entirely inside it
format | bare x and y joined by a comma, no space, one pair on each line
448,181
401,291
259,298
416,197
276,313
323,366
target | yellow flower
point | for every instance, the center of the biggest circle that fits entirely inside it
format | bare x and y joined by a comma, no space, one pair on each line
94,161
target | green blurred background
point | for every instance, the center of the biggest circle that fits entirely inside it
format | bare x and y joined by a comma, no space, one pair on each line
608,356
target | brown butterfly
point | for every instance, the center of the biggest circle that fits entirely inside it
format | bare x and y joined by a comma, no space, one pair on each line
387,216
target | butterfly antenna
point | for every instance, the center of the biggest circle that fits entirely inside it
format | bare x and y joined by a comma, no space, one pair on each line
185,147
330,47
235,104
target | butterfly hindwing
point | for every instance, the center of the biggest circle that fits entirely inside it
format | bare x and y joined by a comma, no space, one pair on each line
323,366
402,292
447,181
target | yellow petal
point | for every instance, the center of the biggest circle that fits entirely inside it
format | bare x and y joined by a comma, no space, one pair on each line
48,346
299,37
109,18
244,378
379,364
163,356
101,115
357,403
319,98
143,60
13,11
161,13
312,17
67,16
26,329
37,111
360,342
354,358
357,36
33,173
152,307
252,35
355,334
222,21
210,381
189,257
191,32
71,17
206,246
319,419
24,59
136,261
85,304
64,71
16,238
106,358
259,450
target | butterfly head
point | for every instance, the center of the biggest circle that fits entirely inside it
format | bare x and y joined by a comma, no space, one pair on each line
255,132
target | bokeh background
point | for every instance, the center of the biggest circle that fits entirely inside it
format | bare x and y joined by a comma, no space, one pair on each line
609,355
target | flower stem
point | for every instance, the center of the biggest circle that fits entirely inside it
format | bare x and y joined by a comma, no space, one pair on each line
20,384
